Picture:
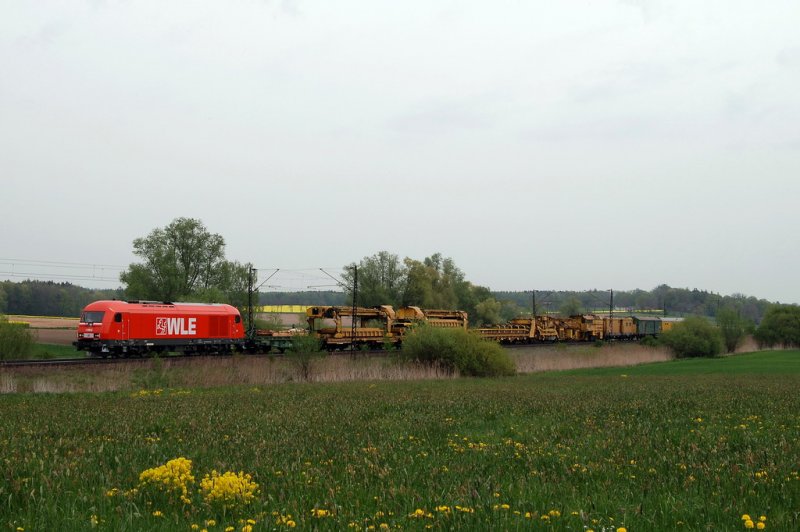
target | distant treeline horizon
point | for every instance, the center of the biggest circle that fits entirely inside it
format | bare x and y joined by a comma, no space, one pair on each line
49,298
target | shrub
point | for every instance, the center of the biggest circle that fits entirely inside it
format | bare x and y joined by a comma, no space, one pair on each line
693,337
457,349
781,325
16,339
305,349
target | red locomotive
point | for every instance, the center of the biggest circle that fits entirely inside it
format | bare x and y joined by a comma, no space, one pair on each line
131,328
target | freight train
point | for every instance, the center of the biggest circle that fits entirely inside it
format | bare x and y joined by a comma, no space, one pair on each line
137,328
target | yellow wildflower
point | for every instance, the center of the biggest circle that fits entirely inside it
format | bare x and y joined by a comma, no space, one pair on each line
229,529
749,523
760,525
763,518
320,512
745,517
622,529
211,522
158,513
173,478
554,513
229,489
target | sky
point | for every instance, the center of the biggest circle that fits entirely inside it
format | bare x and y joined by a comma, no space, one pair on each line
541,145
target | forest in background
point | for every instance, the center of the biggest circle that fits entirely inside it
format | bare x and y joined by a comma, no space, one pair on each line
48,298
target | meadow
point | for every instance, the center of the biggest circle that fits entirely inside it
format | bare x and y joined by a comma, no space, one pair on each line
655,447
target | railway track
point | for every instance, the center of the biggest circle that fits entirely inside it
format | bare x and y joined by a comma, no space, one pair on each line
55,362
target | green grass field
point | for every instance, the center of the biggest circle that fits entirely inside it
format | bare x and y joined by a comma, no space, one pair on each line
689,445
50,351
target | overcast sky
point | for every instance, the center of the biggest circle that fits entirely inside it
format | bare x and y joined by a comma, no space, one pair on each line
547,145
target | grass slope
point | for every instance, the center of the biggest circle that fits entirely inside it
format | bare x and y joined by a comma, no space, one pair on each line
759,363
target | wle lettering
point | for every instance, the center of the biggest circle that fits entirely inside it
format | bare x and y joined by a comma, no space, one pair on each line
176,326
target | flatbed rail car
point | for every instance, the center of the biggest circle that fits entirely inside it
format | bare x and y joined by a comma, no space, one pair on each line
373,326
133,328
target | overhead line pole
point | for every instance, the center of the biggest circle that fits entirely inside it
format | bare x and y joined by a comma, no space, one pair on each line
353,317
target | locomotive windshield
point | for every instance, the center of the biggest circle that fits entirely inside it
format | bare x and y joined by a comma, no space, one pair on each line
92,317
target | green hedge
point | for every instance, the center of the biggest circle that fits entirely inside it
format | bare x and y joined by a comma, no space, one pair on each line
16,339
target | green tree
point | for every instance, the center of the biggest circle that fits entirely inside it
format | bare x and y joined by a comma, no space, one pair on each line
183,260
571,307
488,312
694,337
780,326
733,328
381,280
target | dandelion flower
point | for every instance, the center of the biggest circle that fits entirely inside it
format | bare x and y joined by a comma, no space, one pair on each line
748,523
760,525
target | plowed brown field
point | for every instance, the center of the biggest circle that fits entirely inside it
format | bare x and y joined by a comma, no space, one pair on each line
50,330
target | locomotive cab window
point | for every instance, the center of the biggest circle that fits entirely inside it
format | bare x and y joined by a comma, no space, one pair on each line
237,319
118,317
92,317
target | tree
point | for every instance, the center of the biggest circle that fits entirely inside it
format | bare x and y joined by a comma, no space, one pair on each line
381,279
732,327
571,307
781,325
693,337
183,260
488,311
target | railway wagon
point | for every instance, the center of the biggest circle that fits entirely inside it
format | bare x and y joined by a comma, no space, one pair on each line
131,328
647,326
373,326
623,328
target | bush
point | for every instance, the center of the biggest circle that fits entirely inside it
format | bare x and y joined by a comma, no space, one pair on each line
457,349
16,339
306,348
693,337
781,325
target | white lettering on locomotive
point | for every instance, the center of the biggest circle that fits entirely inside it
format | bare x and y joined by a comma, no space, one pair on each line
176,326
